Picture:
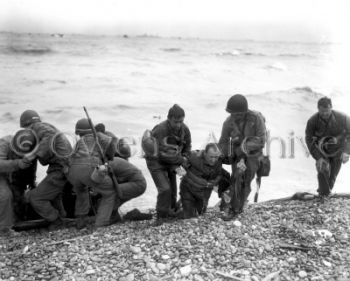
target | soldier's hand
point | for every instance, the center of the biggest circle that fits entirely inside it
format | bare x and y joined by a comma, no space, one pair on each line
30,156
344,157
241,166
210,185
24,163
180,171
322,165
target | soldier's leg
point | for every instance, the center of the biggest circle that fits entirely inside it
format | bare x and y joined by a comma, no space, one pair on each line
48,189
162,182
335,165
237,185
19,206
6,207
188,201
323,183
252,167
173,186
131,190
107,202
203,203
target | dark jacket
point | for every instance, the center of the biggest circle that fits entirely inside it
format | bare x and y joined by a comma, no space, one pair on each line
172,145
10,170
338,125
87,151
125,171
200,173
48,138
252,125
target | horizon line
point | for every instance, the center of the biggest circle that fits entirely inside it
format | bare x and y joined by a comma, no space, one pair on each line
148,35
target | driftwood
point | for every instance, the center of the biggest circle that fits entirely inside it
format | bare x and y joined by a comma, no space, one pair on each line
305,196
229,276
295,247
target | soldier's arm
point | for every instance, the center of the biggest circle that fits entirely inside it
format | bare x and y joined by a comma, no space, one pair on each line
186,151
224,140
310,139
7,165
347,135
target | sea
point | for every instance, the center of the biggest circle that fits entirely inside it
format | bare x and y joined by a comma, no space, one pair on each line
129,83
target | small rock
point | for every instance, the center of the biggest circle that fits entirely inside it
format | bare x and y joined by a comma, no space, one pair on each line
153,267
130,277
185,270
161,266
135,250
90,271
302,274
237,223
198,278
153,278
165,257
326,263
324,233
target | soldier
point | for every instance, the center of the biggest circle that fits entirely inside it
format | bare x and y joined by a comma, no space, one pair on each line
203,172
173,139
53,149
88,170
17,172
327,133
242,139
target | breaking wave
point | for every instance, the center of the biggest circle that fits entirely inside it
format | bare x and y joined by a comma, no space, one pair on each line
171,50
29,50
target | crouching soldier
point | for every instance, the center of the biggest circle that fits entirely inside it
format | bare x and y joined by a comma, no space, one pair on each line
203,172
173,141
53,149
16,173
327,137
87,169
242,140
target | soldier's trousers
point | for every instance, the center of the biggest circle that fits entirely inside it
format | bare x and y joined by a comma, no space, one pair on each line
326,180
46,198
239,197
194,200
6,205
165,181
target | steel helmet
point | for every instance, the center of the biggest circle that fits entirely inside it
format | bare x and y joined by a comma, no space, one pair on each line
237,104
28,117
82,127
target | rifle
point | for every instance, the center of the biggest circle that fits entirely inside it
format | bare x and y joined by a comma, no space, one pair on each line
103,157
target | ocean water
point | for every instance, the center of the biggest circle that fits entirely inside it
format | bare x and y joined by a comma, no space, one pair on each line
130,83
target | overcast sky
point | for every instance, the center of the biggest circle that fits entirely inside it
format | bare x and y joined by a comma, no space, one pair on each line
307,20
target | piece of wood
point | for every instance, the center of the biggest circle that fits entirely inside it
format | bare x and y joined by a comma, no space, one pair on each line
229,276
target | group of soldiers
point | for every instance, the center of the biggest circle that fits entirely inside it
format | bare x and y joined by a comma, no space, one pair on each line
98,164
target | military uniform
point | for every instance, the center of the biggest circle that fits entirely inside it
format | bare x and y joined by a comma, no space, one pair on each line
234,130
338,126
197,185
83,163
172,147
54,154
13,181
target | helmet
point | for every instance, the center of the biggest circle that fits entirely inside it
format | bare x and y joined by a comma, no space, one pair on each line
237,104
82,127
28,117
123,149
23,142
